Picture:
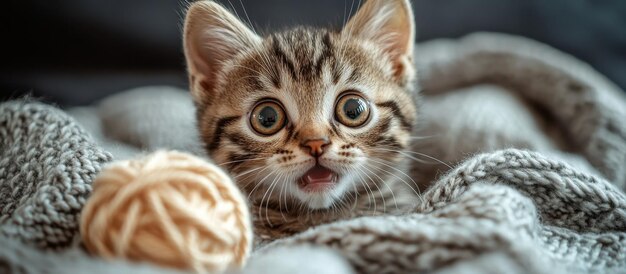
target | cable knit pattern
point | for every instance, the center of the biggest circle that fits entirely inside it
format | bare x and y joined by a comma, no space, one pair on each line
47,164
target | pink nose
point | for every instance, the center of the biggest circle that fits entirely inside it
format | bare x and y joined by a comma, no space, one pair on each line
316,146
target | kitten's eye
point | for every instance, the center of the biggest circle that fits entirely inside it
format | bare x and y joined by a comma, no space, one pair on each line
352,110
267,118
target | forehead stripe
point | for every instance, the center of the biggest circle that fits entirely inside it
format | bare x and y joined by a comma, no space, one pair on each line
235,160
282,57
326,55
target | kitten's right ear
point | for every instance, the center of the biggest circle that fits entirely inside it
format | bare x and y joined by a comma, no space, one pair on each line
212,36
388,23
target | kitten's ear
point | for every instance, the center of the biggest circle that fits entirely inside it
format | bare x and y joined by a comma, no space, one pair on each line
212,36
389,23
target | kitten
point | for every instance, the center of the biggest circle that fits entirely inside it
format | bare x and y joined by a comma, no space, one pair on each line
313,124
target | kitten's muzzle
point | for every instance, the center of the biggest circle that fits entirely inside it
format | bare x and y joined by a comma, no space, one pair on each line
316,146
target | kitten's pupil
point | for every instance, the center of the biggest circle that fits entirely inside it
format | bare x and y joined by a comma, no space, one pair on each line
353,108
268,117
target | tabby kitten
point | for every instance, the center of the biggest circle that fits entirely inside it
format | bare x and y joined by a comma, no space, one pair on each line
312,123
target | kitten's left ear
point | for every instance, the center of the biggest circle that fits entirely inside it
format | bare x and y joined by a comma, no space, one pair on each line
389,23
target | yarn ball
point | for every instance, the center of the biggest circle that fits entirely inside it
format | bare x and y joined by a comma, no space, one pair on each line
169,208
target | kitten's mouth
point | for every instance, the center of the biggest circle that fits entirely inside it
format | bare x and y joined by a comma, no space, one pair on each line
318,179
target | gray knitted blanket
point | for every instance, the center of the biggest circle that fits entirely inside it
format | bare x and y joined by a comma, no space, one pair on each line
47,164
537,141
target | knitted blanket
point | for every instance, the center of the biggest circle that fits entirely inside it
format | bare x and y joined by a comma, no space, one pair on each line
536,139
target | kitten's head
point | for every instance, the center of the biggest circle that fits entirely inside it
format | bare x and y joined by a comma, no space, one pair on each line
305,116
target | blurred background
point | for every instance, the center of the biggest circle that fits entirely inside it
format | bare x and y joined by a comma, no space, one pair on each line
74,52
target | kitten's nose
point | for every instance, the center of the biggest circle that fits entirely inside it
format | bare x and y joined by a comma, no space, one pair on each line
316,146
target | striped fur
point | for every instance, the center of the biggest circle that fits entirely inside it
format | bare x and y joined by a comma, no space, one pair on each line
306,69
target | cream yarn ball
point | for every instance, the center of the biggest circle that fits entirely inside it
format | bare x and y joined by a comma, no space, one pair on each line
169,208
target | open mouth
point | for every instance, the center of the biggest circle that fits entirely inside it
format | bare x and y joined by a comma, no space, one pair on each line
318,179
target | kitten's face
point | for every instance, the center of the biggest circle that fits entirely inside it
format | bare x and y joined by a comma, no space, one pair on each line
308,116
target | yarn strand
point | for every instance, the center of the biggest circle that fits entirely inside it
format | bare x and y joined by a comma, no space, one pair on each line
169,208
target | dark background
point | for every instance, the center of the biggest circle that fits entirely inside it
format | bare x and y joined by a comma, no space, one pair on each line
73,52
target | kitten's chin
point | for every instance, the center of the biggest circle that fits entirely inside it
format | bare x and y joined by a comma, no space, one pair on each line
319,200
322,199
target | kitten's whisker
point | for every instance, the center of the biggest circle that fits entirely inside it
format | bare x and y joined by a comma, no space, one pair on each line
280,206
362,181
423,137
401,172
252,181
301,206
356,196
349,13
416,192
269,190
344,38
264,63
405,153
242,160
247,17
247,172
346,202
390,189
379,191
353,194
351,29
345,8
432,158
421,161
338,204
259,214
370,196
234,10
287,187
259,183
370,193
395,201
374,197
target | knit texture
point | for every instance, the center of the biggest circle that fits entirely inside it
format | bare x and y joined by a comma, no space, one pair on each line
540,214
537,140
47,163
